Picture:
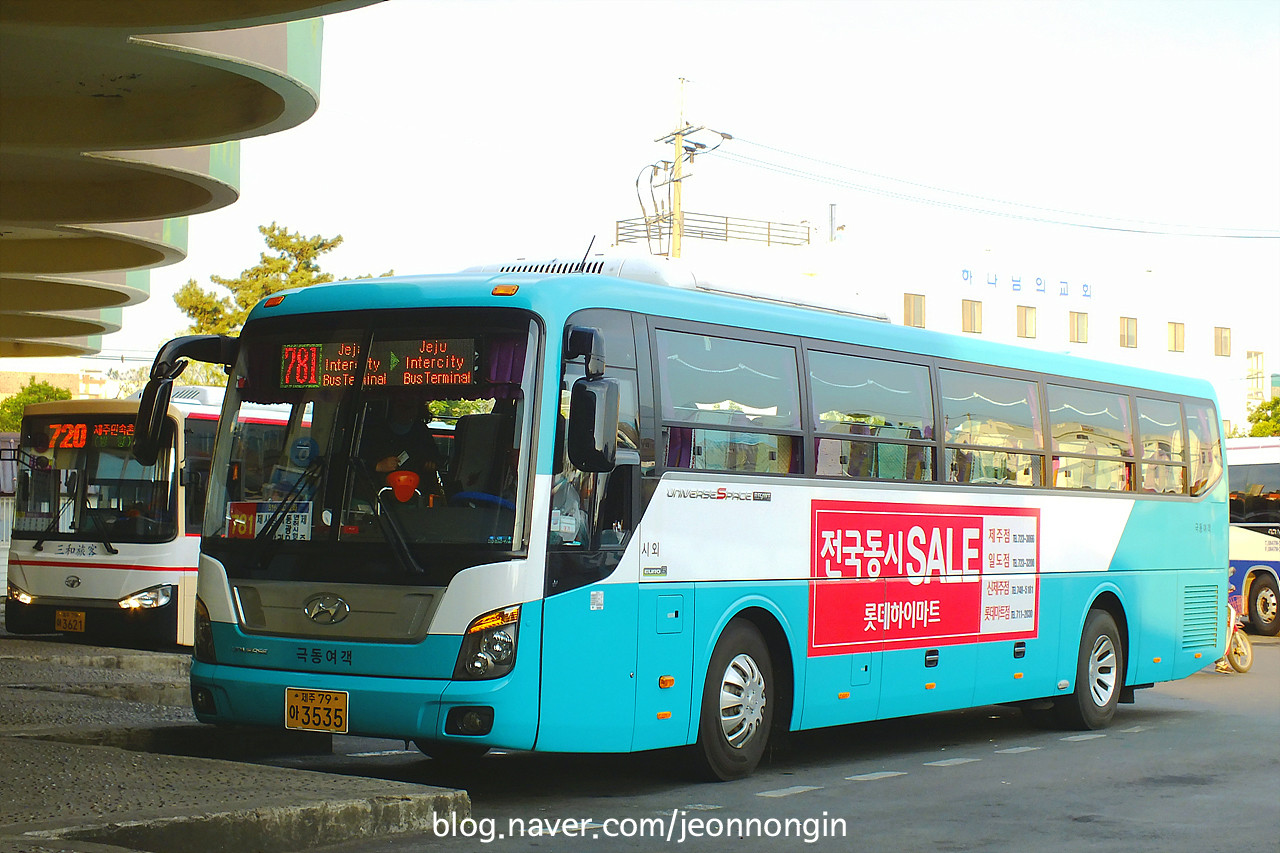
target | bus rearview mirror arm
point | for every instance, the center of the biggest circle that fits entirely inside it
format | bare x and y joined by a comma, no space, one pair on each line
169,363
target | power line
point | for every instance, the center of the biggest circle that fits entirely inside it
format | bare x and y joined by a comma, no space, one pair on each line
971,202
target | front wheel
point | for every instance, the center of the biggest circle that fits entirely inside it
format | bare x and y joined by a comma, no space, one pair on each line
1240,651
1099,676
737,709
1263,600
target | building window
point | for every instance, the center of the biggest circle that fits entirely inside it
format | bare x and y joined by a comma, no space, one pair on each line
1255,377
1221,341
913,310
1079,327
1177,337
971,316
1026,321
1129,332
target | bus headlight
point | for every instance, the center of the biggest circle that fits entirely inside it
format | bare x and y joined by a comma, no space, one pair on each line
156,596
19,595
203,650
489,646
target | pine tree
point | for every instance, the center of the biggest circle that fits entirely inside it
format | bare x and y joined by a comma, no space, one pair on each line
292,261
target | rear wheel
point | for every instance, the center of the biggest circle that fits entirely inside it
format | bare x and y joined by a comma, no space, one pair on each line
1099,676
737,710
1263,600
1240,651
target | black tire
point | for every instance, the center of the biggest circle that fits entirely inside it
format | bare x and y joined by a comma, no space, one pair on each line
450,751
1099,676
1263,599
737,708
1240,651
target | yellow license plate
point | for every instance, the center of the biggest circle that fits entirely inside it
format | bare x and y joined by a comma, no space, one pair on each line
68,620
315,710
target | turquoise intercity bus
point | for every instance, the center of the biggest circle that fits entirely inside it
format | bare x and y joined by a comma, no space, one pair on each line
666,517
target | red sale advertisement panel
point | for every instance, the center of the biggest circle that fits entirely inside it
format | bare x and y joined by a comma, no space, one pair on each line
913,575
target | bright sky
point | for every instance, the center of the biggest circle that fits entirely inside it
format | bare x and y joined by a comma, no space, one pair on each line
453,133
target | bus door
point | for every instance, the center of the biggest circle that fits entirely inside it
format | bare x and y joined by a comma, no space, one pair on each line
589,672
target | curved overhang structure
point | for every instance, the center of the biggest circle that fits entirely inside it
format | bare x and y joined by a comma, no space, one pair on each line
117,121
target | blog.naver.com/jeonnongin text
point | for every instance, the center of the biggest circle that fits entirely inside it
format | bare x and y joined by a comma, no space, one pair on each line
678,827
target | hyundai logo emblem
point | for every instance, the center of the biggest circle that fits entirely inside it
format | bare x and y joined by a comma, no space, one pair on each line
72,581
326,609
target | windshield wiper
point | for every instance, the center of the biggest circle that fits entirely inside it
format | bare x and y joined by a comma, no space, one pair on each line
50,528
85,510
312,472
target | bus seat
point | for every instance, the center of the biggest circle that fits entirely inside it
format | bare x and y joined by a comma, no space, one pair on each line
482,446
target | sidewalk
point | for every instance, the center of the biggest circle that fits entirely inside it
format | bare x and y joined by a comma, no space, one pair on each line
99,747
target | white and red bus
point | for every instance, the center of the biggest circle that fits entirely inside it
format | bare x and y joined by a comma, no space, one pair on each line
105,548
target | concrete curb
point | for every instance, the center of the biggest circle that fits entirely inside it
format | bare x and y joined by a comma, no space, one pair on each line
270,829
82,772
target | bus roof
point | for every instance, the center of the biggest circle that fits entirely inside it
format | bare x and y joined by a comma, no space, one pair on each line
1253,450
555,295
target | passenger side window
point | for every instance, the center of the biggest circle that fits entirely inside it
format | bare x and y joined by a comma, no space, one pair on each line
992,429
1092,439
873,418
1204,446
1164,469
729,405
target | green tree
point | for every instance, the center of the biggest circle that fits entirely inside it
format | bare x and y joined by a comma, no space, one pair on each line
1265,418
33,392
292,260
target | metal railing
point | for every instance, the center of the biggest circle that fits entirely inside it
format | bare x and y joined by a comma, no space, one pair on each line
6,519
705,226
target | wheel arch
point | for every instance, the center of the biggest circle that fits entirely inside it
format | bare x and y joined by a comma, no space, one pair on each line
1251,574
1109,600
772,624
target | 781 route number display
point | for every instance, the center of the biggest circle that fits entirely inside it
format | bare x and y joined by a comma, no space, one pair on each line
435,361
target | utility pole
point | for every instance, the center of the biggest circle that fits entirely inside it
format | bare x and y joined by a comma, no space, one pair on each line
677,174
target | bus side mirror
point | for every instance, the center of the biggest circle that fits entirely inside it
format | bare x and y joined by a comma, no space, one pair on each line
150,422
586,342
170,361
593,424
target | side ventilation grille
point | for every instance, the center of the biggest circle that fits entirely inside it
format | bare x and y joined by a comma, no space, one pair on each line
1201,615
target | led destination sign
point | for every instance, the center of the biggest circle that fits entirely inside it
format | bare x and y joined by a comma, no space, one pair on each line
72,436
433,361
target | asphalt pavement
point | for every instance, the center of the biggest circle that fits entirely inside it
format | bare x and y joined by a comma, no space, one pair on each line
100,753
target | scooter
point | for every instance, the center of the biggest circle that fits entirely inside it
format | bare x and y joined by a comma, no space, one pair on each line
1239,654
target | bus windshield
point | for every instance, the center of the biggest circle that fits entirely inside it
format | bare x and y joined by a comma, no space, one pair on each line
78,482
401,461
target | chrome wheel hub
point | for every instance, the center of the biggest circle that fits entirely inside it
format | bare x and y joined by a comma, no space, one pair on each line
742,700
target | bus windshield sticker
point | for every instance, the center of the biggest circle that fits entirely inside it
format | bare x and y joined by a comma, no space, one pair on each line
246,518
913,575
